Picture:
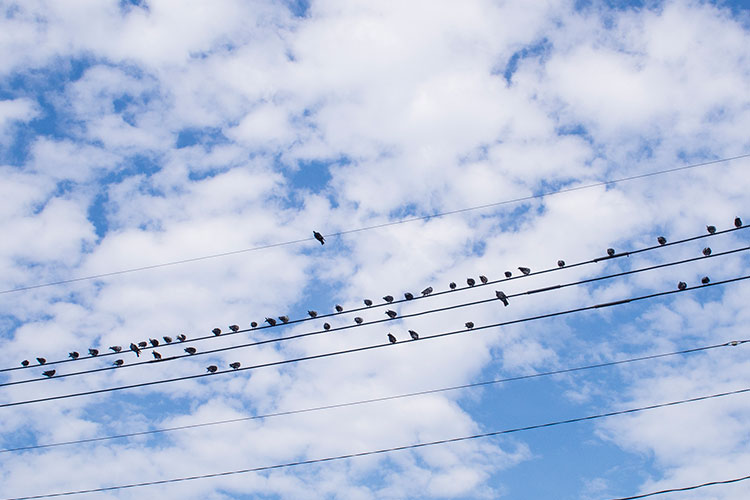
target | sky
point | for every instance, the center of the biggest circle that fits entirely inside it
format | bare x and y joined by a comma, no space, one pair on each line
138,133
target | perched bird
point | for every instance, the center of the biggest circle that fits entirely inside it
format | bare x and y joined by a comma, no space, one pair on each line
234,328
156,355
326,326
312,314
508,274
705,280
216,331
711,229
452,285
737,222
235,365
707,251
426,291
253,324
368,302
191,350
408,296
681,285
469,325
182,337
414,335
284,319
391,338
135,349
388,298
41,360
212,368
391,314
319,237
525,270
168,340
560,263
116,348
93,352
48,373
25,362
501,295
118,362
73,355
142,344
154,342
483,279
470,281
271,321
662,240
339,308
610,251
358,320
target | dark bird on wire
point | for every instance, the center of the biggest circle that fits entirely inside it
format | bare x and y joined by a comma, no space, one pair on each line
41,360
525,270
284,319
469,325
319,237
135,349
182,337
212,368
711,229
391,338
470,281
234,328
253,324
368,302
119,362
93,352
73,355
191,350
391,314
501,295
116,348
216,331
662,240
339,308
508,274
48,373
235,366
143,344
312,314
326,326
25,362
705,280
271,321
452,285
707,251
483,279
388,298
681,285
737,222
168,340
358,320
610,251
156,355
426,291
154,342
414,335
408,296
561,263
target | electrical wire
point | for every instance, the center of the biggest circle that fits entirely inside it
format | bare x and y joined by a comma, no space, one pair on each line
390,450
684,488
323,316
693,350
373,346
376,226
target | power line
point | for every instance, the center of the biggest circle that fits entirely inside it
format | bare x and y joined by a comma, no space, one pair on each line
377,226
429,311
390,450
732,343
684,488
371,347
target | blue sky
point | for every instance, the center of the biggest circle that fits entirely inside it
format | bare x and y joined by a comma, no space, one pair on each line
138,133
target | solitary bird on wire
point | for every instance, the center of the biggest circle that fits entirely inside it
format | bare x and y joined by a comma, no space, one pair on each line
135,349
368,302
167,339
312,314
508,274
142,344
452,285
234,328
525,270
212,368
681,285
156,355
426,291
707,251
705,280
737,222
73,355
388,298
408,296
358,320
116,348
119,362
154,342
339,308
711,229
271,321
662,240
483,279
391,314
25,362
414,335
93,352
41,360
391,338
216,331
191,350
284,319
501,295
470,281
235,366
48,373
319,237
182,337
560,263
326,326
469,325
610,251
253,324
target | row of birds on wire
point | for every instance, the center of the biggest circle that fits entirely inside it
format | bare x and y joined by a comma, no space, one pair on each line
388,299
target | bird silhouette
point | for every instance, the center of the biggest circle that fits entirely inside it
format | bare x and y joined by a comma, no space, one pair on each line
662,240
182,337
48,373
452,285
391,338
319,237
135,349
25,362
73,355
41,361
426,291
414,335
116,348
326,326
312,314
368,302
610,251
483,279
469,325
525,270
711,229
470,281
143,344
388,298
253,324
156,355
216,331
501,295
707,251
508,274
93,352
408,296
271,321
358,320
339,308
154,342
119,362
391,314
234,328
235,366
737,222
561,263
284,319
212,368
705,280
191,350
681,285
168,340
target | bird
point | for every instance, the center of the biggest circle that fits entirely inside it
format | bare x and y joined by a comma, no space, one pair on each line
610,251
191,350
116,348
167,339
560,263
391,338
312,314
469,325
483,279
414,335
711,229
358,320
319,237
681,285
707,251
182,337
142,344
216,331
326,326
368,302
135,349
662,240
339,308
705,280
470,281
452,285
118,362
501,295
154,342
48,373
408,296
391,314
737,222
271,321
426,291
73,355
212,368
525,270
253,324
508,274
41,360
284,319
234,328
235,366
156,355
388,298
25,362
93,352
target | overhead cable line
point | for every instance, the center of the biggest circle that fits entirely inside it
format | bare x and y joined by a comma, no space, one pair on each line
378,226
346,327
561,371
391,304
684,488
389,450
371,347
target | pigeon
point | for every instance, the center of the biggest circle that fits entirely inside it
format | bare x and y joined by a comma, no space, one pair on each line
452,285
41,360
426,291
561,263
235,366
143,344
73,355
271,321
234,328
662,240
212,368
191,350
469,325
737,222
154,342
48,373
168,340
326,326
339,308
284,319
414,335
388,298
358,320
470,281
118,362
93,352
135,349
681,285
182,337
610,251
216,331
368,302
156,355
116,348
391,314
391,338
525,270
319,237
312,314
508,274
707,251
711,229
705,280
25,362
408,296
501,295
483,279
253,324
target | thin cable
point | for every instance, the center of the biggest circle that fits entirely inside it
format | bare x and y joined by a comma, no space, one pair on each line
346,327
684,488
694,350
389,450
369,347
377,226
